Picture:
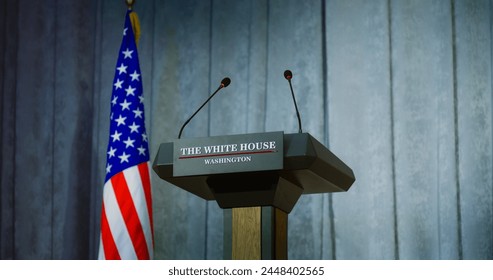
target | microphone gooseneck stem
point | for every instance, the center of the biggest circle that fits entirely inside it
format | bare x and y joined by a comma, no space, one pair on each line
295,107
212,95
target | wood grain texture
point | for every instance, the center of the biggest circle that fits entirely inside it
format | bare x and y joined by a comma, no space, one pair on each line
246,233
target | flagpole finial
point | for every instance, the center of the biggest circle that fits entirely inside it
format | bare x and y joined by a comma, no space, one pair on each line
130,3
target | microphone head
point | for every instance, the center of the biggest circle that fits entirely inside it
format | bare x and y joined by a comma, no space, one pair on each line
288,75
225,82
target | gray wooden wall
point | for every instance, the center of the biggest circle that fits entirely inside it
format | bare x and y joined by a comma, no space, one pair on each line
401,90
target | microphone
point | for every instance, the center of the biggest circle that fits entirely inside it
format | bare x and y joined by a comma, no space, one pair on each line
289,75
224,83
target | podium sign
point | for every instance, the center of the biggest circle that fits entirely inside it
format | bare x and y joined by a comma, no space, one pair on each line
228,154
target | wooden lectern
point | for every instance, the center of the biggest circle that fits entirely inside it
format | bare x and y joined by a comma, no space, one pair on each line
260,176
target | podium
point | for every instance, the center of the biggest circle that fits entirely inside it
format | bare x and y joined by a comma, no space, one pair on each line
260,176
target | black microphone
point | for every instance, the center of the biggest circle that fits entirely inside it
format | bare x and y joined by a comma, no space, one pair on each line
224,83
289,75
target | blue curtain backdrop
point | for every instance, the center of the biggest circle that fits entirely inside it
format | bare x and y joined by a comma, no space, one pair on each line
400,90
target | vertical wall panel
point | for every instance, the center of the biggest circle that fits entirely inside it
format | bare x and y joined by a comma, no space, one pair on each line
360,126
166,120
295,43
447,192
421,63
73,111
8,66
229,57
230,50
180,83
474,100
96,165
34,131
257,66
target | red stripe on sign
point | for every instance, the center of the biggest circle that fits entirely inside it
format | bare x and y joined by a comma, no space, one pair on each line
146,184
109,245
230,154
129,213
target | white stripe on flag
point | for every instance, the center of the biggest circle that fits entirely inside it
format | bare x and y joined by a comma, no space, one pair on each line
134,182
117,224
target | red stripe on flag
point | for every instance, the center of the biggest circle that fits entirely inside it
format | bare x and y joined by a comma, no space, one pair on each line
146,183
129,213
109,245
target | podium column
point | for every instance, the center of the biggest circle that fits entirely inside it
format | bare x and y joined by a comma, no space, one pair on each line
256,233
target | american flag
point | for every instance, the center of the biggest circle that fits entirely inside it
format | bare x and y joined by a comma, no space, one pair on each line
126,218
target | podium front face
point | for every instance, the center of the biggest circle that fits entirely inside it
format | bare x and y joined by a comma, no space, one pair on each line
251,173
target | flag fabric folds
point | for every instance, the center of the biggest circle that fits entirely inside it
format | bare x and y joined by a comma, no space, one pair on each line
126,217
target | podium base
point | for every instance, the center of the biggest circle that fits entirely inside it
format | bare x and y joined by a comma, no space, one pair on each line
255,233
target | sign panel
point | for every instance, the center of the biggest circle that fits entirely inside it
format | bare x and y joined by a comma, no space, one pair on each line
228,154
